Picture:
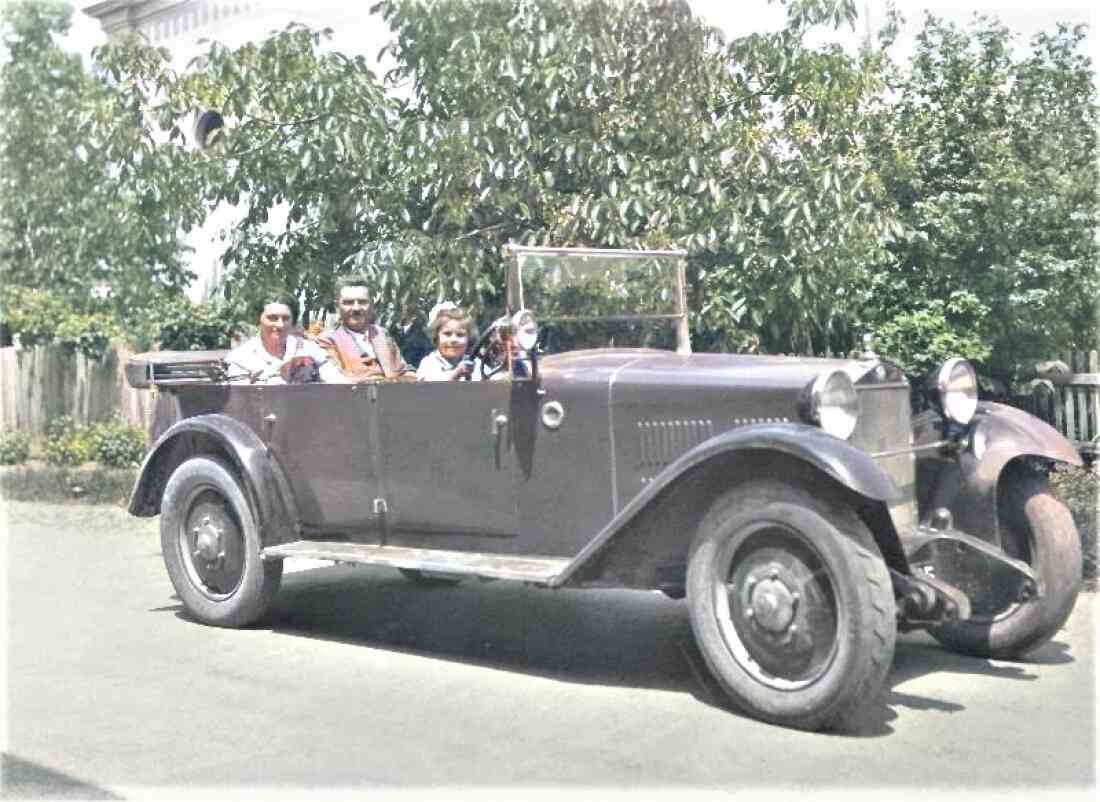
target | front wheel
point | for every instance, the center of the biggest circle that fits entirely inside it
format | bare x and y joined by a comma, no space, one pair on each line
211,546
792,606
1038,529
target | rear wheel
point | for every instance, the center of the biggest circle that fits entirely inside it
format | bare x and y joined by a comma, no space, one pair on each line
211,546
792,606
1038,529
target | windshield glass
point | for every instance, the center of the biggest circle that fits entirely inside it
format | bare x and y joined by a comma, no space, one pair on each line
599,299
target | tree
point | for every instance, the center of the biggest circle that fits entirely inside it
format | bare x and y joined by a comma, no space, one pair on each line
544,121
80,208
633,124
303,155
992,162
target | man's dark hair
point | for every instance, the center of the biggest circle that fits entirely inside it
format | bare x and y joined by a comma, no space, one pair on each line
275,297
353,280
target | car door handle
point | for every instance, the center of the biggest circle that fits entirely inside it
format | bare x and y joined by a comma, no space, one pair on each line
500,425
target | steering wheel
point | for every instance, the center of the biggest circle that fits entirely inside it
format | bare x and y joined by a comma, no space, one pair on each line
490,351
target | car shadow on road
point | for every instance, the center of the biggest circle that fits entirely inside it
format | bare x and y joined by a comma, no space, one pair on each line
604,637
25,779
919,655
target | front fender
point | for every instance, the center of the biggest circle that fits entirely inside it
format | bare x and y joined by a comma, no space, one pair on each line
845,463
997,435
263,480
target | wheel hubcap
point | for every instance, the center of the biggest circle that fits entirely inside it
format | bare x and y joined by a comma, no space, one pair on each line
777,607
772,603
208,540
212,545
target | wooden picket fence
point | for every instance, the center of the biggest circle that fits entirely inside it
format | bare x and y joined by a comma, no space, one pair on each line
1071,403
43,382
40,383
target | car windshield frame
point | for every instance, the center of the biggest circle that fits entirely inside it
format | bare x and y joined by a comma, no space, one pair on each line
514,255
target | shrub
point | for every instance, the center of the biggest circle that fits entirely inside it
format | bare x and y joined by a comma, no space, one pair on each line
922,339
39,316
116,444
184,326
59,426
15,448
66,442
1079,490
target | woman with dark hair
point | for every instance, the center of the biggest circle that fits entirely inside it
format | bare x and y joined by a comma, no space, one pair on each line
276,356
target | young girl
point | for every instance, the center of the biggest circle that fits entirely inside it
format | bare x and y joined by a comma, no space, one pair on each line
451,329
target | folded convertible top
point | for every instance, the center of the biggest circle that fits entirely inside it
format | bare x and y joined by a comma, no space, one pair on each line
168,368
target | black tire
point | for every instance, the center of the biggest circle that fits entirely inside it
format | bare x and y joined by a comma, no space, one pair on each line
211,546
428,580
792,606
1038,529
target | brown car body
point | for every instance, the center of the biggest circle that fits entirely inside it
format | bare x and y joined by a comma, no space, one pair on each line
597,469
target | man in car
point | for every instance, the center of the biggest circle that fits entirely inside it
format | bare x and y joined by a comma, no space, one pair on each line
362,349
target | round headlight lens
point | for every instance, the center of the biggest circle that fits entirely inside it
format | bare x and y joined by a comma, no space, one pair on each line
957,385
526,329
834,405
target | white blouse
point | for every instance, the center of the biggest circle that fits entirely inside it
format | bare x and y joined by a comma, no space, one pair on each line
435,367
251,358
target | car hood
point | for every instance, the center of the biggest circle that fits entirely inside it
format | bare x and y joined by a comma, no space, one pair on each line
644,367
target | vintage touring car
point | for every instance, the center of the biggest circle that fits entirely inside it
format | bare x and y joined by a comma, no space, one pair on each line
800,507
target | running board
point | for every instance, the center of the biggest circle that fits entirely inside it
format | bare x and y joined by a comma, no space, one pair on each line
540,570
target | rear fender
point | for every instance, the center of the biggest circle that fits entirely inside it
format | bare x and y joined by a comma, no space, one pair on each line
967,484
808,446
264,482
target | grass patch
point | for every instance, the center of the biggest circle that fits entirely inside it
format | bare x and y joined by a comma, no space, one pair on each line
88,484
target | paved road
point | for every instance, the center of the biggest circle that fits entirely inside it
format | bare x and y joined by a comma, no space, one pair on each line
362,679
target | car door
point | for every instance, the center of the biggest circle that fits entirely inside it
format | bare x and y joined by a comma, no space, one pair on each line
325,437
447,463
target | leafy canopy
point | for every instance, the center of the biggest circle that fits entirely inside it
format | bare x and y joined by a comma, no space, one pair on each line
992,160
950,205
85,199
542,121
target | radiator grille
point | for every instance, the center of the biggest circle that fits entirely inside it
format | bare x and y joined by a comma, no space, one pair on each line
883,418
884,427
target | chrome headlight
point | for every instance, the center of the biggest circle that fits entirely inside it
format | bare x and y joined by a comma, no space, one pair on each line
956,386
834,405
526,329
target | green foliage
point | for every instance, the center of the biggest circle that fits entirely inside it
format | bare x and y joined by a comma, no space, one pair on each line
41,316
67,442
80,209
15,447
601,122
60,426
949,206
112,443
115,444
992,161
622,124
1079,490
304,148
920,340
184,326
